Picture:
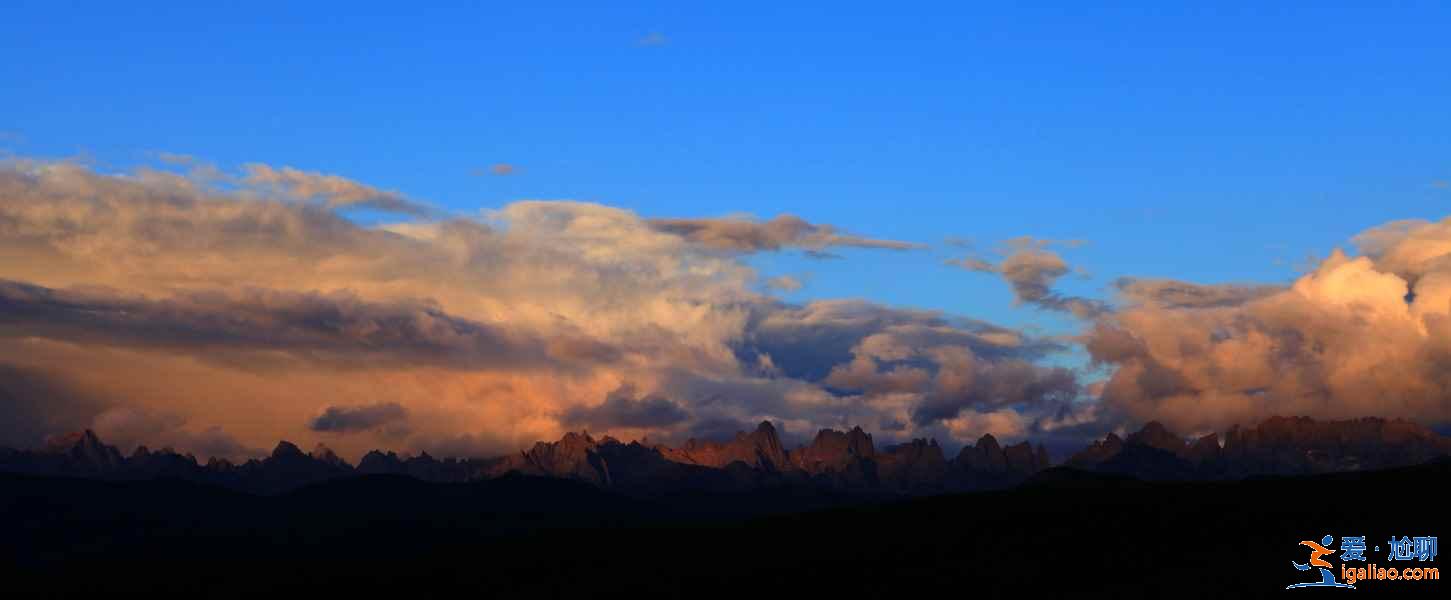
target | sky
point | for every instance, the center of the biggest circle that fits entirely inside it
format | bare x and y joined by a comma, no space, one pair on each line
1225,144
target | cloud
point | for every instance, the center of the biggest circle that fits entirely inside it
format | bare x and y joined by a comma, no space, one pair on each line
623,409
348,419
236,303
1357,336
809,341
1409,248
964,382
332,190
917,367
213,314
736,234
336,329
1032,271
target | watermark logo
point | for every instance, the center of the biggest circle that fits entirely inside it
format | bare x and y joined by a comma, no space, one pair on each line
1419,549
1317,551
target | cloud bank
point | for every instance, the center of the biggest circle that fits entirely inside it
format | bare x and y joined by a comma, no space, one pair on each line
223,311
1357,336
218,313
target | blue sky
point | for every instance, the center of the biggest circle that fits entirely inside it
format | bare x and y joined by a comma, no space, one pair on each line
1211,143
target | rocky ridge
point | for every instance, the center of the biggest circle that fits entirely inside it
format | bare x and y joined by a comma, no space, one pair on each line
847,461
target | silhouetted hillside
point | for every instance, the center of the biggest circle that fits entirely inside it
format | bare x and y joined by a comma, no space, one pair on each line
1066,531
1276,446
834,463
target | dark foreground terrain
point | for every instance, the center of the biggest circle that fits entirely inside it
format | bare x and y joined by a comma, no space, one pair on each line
1063,531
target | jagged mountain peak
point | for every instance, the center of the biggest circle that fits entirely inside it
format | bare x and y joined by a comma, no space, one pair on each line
845,459
834,451
988,458
286,449
85,450
573,456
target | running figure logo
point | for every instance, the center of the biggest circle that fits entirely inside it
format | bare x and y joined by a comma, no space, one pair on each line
1327,577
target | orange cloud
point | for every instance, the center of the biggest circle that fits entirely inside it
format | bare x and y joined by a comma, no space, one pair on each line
1357,336
226,312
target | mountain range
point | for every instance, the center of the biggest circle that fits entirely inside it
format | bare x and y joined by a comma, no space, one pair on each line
839,461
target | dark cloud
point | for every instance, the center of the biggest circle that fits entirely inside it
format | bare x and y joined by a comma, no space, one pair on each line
336,328
982,387
622,408
933,367
808,341
349,419
743,398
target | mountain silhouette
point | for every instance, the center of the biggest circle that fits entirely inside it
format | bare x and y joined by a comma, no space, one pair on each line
834,462
1278,446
